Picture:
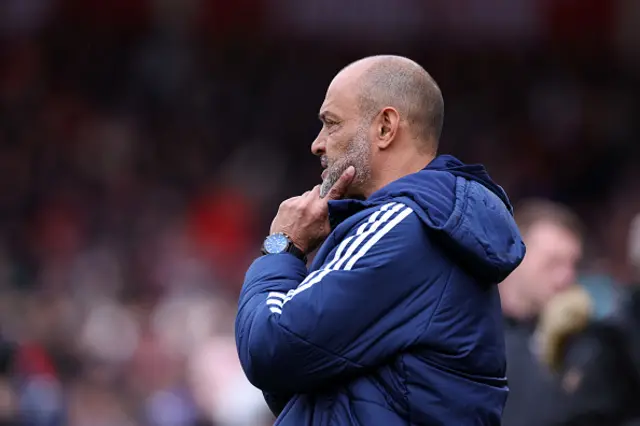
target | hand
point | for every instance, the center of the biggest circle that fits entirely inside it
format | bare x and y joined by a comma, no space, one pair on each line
305,219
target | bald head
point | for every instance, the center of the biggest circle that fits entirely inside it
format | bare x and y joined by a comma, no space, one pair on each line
398,82
383,116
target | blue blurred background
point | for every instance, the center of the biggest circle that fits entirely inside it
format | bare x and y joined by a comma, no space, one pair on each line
146,144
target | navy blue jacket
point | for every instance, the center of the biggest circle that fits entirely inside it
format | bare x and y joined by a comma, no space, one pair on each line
398,320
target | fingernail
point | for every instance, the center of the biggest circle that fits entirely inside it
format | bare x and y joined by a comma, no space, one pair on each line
351,170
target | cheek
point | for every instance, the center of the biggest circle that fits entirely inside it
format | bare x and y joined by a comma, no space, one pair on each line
336,145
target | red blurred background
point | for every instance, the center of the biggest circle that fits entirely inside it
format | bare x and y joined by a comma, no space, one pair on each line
146,144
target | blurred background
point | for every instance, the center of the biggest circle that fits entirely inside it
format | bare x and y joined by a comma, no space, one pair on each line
145,146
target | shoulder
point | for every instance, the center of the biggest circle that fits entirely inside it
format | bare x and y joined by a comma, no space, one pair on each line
391,220
600,344
383,232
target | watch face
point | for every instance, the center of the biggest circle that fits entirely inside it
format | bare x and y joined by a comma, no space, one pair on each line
276,243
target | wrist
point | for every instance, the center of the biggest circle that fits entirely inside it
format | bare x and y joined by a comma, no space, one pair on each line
279,242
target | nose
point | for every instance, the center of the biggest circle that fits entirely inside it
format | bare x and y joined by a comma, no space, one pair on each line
318,145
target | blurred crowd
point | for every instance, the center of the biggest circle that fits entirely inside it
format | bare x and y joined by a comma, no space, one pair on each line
146,145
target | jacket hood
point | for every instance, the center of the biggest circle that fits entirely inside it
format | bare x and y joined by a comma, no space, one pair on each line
470,215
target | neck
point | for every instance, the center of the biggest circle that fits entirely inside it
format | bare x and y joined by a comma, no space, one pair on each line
390,171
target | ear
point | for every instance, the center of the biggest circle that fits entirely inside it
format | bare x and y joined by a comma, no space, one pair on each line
386,127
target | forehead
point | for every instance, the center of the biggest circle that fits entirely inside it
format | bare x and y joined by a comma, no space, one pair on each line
549,237
342,95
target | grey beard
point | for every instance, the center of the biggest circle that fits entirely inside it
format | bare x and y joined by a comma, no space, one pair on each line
334,172
326,186
357,156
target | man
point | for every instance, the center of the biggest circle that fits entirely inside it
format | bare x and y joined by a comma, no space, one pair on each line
398,319
598,363
554,247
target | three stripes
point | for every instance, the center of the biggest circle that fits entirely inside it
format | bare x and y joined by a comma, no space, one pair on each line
350,250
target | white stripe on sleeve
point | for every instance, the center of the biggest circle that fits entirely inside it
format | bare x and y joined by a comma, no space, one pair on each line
343,245
277,295
348,258
364,235
388,227
275,302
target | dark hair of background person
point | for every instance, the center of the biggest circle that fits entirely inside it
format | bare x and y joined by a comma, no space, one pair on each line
534,211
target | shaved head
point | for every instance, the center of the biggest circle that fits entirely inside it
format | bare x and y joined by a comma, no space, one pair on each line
382,115
399,82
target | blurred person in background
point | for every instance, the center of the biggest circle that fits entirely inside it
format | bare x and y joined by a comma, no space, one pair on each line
595,361
398,319
553,235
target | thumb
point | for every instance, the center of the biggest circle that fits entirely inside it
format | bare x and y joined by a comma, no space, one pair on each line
339,189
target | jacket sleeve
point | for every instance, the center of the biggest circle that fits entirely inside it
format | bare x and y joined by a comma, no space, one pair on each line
296,333
276,402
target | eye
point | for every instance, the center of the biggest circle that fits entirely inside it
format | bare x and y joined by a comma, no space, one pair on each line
331,124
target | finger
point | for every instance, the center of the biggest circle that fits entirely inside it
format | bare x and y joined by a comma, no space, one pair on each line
339,189
315,192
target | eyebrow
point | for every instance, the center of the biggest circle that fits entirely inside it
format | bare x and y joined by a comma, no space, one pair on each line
326,114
